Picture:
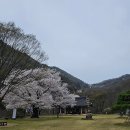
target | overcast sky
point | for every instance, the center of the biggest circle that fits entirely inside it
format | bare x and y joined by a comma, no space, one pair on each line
90,39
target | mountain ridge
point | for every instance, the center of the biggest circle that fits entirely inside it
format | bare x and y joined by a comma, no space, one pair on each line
112,81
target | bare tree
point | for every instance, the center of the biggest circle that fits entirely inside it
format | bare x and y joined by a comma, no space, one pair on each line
18,51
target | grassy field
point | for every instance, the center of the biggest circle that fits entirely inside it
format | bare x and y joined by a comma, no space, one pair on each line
100,122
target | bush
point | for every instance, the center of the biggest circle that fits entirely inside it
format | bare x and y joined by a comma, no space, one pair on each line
107,110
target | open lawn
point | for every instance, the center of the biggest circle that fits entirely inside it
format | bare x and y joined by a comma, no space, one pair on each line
100,122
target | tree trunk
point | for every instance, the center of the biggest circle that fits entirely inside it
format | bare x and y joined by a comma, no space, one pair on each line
35,113
14,113
57,111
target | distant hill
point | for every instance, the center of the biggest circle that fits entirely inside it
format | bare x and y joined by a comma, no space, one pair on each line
104,94
113,82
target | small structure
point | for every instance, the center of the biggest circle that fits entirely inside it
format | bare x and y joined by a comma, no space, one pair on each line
82,106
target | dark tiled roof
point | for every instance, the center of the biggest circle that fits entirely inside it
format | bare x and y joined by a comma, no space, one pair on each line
82,101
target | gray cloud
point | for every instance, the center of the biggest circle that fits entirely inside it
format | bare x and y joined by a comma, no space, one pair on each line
88,38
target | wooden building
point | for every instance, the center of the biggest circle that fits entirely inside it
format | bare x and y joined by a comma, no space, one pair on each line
82,106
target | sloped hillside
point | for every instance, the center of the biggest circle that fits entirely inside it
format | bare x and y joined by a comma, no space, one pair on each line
75,85
105,94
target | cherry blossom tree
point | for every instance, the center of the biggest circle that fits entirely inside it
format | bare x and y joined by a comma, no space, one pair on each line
37,89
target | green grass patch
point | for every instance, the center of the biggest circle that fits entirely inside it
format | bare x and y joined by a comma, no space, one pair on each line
100,122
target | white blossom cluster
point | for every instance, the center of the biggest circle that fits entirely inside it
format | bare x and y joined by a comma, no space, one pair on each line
39,87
